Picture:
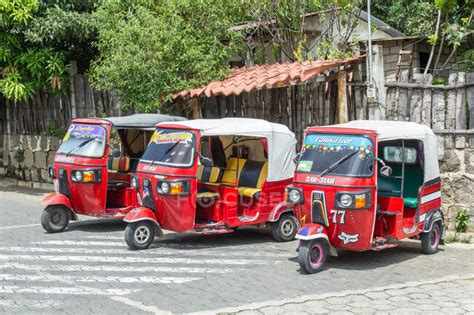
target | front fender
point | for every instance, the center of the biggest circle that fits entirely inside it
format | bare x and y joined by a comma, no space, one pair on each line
60,199
143,214
282,207
312,231
57,199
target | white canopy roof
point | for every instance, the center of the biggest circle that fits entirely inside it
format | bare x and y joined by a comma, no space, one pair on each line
281,141
394,130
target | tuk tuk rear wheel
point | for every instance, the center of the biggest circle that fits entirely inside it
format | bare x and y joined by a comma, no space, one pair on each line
55,218
312,255
139,235
430,240
285,228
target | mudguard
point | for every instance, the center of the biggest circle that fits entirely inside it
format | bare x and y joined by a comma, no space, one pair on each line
312,231
143,214
432,217
281,208
60,199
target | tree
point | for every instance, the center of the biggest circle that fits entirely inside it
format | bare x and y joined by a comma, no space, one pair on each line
37,40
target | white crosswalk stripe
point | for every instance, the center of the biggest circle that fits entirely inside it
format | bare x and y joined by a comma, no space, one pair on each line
64,290
98,279
116,268
153,252
113,259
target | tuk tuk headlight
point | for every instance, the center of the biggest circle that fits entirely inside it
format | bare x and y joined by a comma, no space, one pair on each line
294,195
174,188
134,182
78,176
165,187
356,200
51,171
345,200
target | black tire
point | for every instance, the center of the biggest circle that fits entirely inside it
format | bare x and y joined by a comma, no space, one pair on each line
285,228
55,219
139,235
312,255
430,240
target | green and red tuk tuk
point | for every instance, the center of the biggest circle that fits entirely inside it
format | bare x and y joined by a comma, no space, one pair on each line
91,177
211,176
365,185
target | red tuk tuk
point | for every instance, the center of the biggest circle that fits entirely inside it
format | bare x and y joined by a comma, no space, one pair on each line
365,185
92,178
211,176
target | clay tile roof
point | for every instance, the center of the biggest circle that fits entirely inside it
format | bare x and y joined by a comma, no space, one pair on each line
248,79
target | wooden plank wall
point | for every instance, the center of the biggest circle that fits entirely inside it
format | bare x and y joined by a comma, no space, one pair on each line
298,106
52,110
447,109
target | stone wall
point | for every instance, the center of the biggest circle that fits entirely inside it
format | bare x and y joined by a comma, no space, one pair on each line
457,179
26,157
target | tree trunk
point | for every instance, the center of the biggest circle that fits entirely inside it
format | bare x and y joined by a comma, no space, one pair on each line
438,21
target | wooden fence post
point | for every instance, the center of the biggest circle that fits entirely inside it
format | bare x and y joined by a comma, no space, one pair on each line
460,115
72,88
470,105
438,117
416,100
342,97
196,108
450,120
426,102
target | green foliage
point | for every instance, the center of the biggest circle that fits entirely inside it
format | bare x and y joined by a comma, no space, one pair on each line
461,221
150,52
412,17
54,131
445,5
439,81
467,60
37,39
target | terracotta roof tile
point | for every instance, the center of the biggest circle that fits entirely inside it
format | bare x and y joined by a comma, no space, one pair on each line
248,79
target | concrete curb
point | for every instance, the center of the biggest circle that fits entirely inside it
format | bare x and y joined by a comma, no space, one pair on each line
12,182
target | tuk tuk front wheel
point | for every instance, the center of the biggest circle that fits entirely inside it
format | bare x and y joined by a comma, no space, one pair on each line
285,228
430,240
139,235
312,255
55,218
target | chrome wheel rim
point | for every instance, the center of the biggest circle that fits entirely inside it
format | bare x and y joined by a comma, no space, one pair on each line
287,228
142,234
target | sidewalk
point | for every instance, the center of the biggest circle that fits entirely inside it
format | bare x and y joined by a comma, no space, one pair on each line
448,295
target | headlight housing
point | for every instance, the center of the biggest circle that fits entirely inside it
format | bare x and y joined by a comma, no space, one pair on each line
134,182
294,195
51,171
86,176
353,200
174,188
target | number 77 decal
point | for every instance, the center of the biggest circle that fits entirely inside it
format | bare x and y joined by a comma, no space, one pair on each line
341,214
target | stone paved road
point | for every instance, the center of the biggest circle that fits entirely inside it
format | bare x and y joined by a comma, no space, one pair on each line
89,269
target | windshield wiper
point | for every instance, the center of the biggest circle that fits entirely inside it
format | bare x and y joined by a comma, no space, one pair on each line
166,152
80,145
335,165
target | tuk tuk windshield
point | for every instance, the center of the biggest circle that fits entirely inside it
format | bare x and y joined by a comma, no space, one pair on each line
84,140
171,147
340,155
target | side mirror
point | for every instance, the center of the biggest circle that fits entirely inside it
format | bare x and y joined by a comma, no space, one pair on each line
297,158
385,171
116,153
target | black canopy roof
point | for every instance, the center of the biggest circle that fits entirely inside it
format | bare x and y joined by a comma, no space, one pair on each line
141,121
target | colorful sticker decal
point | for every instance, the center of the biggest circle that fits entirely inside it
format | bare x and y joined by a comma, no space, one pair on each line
305,166
85,132
348,238
159,137
327,144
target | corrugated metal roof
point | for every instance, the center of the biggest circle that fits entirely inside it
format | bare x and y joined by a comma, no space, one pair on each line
248,79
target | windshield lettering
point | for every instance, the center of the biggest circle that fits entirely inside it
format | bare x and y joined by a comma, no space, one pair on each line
340,155
84,140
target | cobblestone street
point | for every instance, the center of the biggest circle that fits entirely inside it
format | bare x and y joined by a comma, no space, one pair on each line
88,269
